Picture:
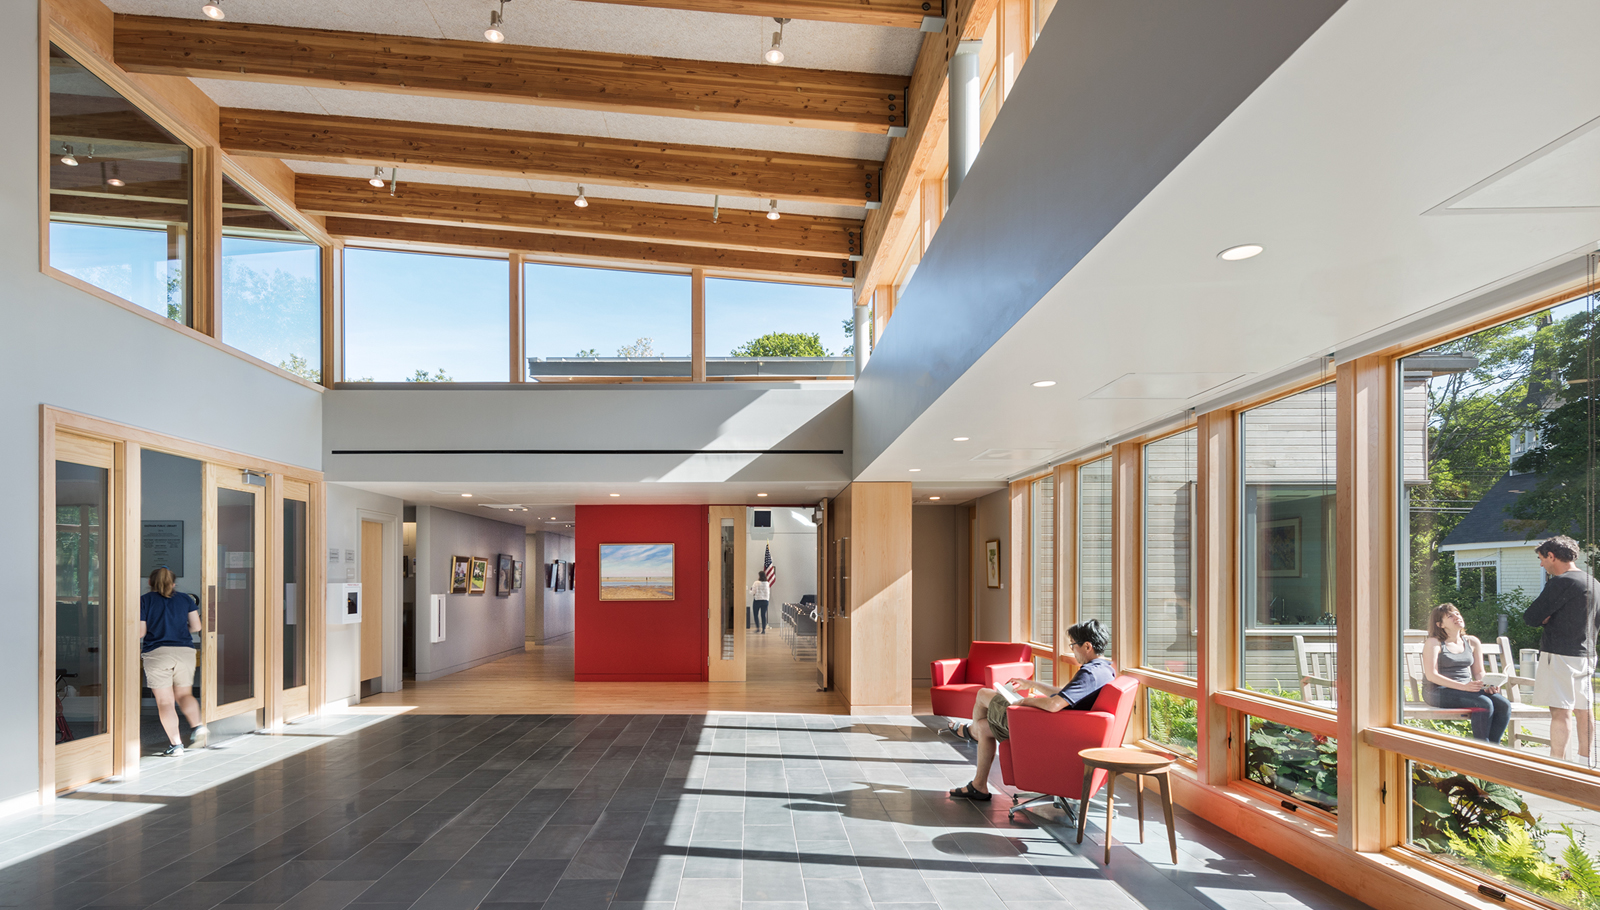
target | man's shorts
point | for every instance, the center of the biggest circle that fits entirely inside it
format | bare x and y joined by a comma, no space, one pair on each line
172,665
1564,681
997,717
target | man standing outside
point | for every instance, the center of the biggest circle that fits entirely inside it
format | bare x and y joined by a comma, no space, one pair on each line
1088,642
1566,610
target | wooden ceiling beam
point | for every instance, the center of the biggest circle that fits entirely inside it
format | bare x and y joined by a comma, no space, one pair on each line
477,70
911,156
547,156
590,248
689,225
895,13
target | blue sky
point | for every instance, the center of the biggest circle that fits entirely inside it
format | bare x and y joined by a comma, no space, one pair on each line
128,262
633,560
572,309
739,311
405,312
279,312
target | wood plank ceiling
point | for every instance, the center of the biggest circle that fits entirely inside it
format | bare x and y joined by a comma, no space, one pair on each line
663,110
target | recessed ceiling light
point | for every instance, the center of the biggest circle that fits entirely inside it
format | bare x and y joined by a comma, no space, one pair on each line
761,494
915,470
552,518
933,497
1242,251
960,438
616,494
1044,383
466,495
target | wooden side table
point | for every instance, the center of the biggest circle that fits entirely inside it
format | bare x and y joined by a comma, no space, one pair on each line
1140,764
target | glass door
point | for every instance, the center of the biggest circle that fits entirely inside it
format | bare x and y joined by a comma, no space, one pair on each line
84,684
235,607
728,594
294,699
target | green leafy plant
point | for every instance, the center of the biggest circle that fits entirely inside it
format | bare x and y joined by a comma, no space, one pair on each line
425,376
1519,857
783,344
588,352
301,367
1294,762
1174,721
1449,804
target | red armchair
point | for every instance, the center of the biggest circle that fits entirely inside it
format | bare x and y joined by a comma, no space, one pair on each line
1042,754
956,680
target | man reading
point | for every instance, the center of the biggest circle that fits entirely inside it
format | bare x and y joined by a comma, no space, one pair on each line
1088,642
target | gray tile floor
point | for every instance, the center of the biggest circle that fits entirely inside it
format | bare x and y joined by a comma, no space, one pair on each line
555,812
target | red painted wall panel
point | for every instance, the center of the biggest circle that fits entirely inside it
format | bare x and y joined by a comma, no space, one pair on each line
641,641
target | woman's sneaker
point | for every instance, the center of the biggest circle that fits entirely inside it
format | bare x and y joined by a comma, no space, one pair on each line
174,749
201,736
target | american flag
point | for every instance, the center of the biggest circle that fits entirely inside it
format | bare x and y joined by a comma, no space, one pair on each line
768,571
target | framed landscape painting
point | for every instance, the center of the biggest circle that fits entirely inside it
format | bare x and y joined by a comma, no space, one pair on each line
636,571
460,569
479,579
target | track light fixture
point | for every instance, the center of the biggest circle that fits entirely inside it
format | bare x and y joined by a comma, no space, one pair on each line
497,18
774,53
582,201
114,176
69,159
377,178
772,211
394,180
213,9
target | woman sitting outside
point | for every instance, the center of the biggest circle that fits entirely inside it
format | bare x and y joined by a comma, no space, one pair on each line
1452,675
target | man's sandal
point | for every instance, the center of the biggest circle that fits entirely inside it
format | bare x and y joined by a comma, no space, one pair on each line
961,732
970,792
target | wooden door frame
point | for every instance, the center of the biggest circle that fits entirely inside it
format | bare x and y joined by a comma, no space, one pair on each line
216,479
280,701
130,442
393,585
118,626
715,514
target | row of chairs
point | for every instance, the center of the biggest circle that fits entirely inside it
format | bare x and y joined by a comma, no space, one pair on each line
798,626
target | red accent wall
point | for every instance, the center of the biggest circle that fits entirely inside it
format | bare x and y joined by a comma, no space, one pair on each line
641,641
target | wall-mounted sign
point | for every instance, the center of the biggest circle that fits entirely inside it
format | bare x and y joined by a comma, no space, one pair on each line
161,544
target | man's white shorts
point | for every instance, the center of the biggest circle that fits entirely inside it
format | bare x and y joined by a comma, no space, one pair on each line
1564,681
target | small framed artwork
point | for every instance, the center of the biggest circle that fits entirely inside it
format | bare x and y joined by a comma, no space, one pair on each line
516,575
636,571
1280,548
559,570
460,570
550,575
991,562
479,579
502,575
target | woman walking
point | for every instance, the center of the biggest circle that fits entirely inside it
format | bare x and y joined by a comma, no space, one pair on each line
166,620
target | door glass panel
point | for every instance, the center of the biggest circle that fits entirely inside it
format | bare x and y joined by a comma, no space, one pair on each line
729,601
294,593
81,494
236,595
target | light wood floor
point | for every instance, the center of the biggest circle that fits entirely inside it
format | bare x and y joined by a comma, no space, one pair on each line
539,681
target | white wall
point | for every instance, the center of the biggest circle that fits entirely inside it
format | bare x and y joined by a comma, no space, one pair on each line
549,613
479,628
172,488
347,507
69,349
992,605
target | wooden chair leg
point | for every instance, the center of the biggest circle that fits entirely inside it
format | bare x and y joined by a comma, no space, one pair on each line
1111,808
1138,779
1166,807
1083,803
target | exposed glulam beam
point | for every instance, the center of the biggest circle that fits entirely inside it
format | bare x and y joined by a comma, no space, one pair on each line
477,70
911,156
898,13
579,159
423,203
590,248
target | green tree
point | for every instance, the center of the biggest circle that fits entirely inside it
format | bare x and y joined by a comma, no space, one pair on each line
644,347
1563,501
301,367
783,344
588,352
422,376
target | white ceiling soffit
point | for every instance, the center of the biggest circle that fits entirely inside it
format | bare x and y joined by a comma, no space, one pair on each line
1563,175
1161,386
610,28
590,190
1332,164
534,118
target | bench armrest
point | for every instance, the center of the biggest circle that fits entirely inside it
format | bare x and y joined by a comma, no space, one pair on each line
995,674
